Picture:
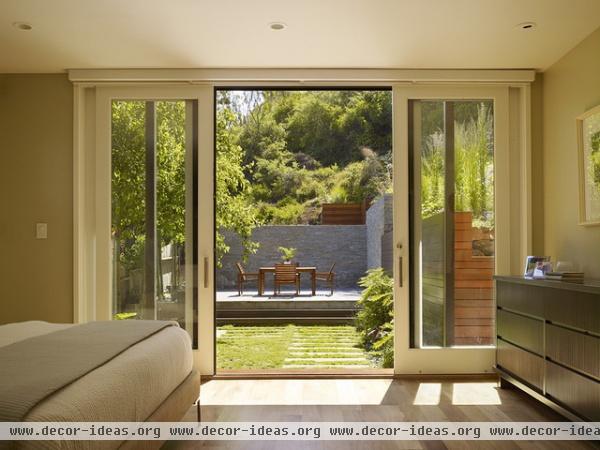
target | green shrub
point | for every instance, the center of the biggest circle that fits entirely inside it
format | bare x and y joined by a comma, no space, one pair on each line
286,212
287,253
125,316
374,321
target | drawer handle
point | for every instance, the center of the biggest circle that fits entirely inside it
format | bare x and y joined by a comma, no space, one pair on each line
400,272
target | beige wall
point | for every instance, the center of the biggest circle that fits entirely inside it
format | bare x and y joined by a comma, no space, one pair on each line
36,146
570,87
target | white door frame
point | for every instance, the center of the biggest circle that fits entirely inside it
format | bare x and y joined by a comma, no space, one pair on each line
451,360
94,88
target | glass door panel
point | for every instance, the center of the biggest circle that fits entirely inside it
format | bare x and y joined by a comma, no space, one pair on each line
452,208
152,213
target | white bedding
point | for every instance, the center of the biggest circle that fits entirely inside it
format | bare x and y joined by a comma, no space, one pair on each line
128,388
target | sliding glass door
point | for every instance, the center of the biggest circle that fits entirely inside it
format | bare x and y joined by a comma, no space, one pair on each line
452,216
153,207
453,225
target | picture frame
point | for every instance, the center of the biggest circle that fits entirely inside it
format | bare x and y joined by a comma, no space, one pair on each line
588,144
537,266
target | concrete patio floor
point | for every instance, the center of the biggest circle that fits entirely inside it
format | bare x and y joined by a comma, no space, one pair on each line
252,296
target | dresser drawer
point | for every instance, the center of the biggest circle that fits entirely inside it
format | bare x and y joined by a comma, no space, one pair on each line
518,297
579,393
571,348
520,363
523,331
573,309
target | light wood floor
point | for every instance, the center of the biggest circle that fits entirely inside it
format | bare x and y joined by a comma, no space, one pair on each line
368,400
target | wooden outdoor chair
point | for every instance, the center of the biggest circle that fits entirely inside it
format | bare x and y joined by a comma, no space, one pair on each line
286,274
328,277
244,277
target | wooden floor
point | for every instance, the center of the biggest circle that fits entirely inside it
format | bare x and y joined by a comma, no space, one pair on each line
357,400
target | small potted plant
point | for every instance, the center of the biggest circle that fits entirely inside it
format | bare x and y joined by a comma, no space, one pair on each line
287,253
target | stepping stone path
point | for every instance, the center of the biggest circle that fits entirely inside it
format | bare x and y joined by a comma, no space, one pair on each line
321,347
308,347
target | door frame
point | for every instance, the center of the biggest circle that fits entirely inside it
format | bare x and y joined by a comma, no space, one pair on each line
91,201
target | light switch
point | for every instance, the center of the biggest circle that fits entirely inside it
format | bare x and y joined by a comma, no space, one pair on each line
41,230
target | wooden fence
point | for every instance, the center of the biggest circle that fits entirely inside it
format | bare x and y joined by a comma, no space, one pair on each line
473,285
472,304
344,213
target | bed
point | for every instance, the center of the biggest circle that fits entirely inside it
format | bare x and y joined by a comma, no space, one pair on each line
151,380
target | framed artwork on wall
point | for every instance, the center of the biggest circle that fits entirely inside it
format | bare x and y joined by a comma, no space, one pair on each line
588,142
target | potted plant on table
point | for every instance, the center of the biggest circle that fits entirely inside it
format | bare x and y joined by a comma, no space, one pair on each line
287,254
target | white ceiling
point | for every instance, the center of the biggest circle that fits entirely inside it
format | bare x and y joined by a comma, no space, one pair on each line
324,34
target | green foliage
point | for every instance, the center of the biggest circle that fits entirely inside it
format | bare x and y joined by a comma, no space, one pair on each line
234,211
375,319
170,182
304,148
287,253
473,159
363,180
332,126
128,177
128,181
474,174
432,175
287,212
234,206
125,316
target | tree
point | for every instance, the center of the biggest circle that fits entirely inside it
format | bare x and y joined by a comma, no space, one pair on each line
128,182
234,211
304,148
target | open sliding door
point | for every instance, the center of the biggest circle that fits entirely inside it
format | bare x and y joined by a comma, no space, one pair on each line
452,233
154,169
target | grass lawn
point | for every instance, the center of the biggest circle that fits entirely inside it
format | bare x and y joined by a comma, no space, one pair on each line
290,347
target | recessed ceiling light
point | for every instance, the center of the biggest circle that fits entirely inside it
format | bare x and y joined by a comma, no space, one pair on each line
527,26
277,26
24,26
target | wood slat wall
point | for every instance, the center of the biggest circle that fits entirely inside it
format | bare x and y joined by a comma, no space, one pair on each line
473,285
344,213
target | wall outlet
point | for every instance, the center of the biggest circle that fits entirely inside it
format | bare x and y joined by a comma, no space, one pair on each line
41,230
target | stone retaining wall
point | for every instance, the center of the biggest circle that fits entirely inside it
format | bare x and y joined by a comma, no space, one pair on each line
354,248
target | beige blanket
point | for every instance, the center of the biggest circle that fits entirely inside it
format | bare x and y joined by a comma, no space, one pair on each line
35,368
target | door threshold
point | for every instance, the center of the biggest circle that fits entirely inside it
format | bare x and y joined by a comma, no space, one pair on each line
279,374
300,374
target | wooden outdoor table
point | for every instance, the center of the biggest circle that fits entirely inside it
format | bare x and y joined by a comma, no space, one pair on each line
263,270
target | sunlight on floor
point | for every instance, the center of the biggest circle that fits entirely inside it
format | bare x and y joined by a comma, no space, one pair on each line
294,392
475,394
428,394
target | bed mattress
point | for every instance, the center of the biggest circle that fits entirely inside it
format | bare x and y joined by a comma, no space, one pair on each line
128,388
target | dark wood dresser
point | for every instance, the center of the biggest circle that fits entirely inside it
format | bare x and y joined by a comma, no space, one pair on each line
549,342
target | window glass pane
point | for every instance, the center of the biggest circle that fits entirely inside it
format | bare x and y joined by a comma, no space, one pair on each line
128,206
152,220
452,206
432,218
474,223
